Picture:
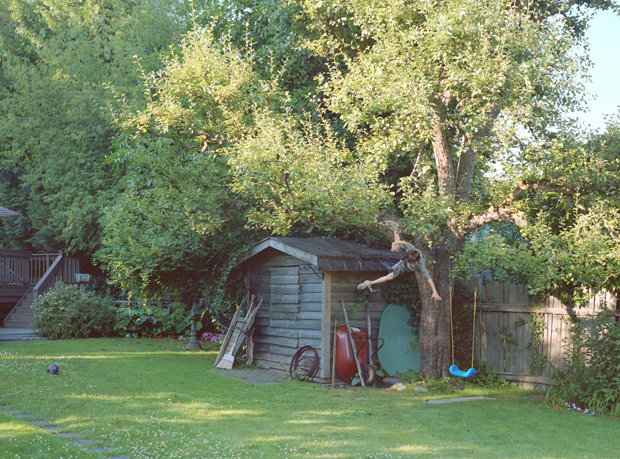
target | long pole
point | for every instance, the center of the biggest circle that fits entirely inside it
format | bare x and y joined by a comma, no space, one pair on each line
473,337
353,348
334,354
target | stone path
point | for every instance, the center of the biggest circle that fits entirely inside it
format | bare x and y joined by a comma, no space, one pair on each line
40,422
452,400
18,335
256,377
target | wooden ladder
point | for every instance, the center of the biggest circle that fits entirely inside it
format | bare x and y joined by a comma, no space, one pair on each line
237,332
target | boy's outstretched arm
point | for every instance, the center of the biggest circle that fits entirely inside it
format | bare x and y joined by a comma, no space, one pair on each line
435,296
397,242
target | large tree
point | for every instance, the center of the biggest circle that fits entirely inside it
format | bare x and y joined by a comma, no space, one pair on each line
217,158
55,125
441,93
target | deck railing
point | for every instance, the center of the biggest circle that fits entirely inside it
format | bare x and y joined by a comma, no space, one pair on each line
23,269
14,268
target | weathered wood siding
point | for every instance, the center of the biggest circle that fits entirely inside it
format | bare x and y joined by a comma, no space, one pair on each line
504,337
290,316
300,303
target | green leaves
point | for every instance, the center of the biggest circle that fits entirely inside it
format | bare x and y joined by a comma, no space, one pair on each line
55,126
67,313
302,175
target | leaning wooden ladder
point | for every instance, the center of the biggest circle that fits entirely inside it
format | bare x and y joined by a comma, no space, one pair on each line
237,332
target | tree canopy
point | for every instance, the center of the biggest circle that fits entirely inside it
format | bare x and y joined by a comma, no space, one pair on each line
55,129
163,140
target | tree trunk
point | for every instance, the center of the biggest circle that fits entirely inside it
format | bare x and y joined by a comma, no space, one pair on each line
435,333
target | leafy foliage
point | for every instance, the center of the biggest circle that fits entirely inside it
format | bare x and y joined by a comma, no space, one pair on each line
276,31
487,377
592,377
270,170
176,225
142,320
55,131
436,94
65,313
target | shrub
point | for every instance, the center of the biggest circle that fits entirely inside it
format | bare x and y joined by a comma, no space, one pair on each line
592,376
145,319
487,377
65,312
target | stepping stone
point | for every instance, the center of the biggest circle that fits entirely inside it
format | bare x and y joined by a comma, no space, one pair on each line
51,428
451,400
42,421
11,411
122,456
24,416
81,442
66,434
98,449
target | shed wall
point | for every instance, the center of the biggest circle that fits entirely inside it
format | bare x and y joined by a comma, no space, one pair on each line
292,306
300,304
344,287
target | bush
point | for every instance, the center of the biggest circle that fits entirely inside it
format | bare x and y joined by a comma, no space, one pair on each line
592,377
149,320
486,377
65,312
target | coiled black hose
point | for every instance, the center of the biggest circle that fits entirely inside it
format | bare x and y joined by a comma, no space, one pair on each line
298,368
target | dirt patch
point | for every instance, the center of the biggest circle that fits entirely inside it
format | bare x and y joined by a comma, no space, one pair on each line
256,377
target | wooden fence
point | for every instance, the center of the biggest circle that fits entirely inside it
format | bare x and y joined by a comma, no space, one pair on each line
523,342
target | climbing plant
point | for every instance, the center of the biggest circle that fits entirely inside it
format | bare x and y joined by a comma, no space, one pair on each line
538,358
591,378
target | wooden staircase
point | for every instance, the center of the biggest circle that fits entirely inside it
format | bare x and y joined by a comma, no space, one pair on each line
30,275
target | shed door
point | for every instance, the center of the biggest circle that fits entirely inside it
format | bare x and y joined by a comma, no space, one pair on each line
284,312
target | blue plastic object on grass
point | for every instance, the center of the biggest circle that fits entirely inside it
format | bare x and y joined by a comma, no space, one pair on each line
454,371
53,370
401,351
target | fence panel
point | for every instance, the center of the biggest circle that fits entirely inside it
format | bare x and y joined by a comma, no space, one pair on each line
504,331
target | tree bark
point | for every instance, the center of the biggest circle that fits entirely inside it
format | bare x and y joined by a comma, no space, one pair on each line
442,150
435,335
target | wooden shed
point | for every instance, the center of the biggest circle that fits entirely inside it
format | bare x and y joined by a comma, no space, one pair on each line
301,282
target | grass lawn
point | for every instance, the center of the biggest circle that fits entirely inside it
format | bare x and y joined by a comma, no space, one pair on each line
153,399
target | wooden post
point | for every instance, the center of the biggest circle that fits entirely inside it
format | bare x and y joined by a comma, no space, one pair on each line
334,354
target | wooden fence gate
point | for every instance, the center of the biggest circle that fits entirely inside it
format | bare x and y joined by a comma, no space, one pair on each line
523,342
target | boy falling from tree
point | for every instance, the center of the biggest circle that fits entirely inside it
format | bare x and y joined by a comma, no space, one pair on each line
412,261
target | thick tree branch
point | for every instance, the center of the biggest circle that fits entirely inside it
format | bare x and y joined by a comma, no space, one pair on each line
542,185
467,160
503,214
508,213
442,150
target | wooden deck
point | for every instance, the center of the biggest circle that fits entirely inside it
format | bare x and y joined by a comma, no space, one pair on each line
24,276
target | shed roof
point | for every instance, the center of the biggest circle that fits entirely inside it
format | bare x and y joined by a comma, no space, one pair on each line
329,254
